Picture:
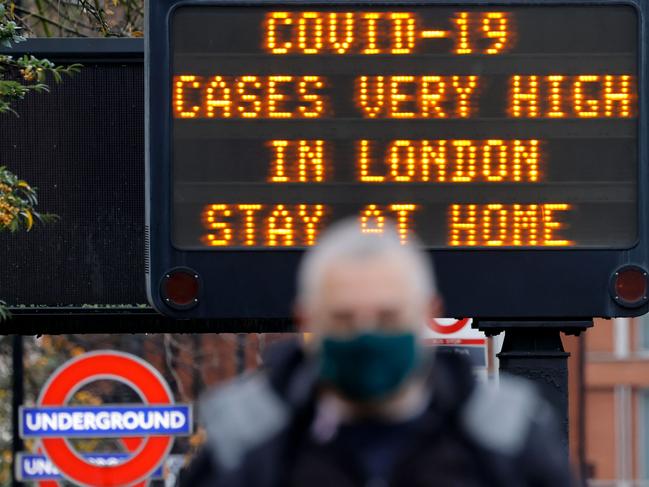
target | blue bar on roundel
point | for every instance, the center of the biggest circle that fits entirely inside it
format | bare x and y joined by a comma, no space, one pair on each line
105,421
34,467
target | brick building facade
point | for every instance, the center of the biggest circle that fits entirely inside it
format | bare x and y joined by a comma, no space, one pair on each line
610,422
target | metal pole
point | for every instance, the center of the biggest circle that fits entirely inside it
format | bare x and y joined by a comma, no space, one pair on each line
583,473
16,401
538,355
533,349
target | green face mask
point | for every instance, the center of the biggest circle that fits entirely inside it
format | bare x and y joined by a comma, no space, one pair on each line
369,365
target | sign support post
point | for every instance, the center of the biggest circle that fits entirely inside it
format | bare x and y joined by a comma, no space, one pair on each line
16,400
534,350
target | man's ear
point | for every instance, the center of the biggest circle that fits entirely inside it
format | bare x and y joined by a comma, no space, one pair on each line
299,318
436,307
309,339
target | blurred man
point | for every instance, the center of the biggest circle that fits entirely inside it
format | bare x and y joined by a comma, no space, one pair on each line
362,403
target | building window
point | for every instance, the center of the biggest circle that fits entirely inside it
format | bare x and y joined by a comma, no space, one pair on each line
642,340
643,440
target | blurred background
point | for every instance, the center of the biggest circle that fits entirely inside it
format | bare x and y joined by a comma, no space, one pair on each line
609,386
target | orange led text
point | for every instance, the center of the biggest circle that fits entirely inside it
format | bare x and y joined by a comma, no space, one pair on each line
567,96
498,224
297,161
261,225
450,161
296,225
278,97
407,96
372,33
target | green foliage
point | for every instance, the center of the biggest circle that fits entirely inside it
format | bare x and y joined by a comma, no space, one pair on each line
9,30
27,73
18,203
18,77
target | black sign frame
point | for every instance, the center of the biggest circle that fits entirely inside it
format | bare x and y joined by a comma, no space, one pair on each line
492,284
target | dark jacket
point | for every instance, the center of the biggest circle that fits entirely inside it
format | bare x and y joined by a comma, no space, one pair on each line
259,434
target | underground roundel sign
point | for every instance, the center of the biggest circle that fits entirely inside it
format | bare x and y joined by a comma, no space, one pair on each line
448,326
145,429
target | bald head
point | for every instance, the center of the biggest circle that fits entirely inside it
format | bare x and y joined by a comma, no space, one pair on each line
352,281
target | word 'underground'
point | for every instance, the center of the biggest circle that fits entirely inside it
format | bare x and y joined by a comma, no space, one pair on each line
105,421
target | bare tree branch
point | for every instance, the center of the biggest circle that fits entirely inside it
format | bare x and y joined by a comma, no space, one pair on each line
172,369
42,18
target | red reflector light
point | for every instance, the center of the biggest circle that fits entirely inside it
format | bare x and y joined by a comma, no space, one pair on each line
180,288
630,285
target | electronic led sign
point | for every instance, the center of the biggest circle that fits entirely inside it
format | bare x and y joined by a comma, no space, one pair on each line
472,127
510,138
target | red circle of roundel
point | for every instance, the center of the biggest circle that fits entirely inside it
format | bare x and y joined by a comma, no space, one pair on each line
116,366
448,329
